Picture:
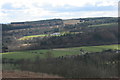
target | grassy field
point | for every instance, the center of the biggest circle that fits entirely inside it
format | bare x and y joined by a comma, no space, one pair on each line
31,54
104,25
46,35
97,48
32,36
41,35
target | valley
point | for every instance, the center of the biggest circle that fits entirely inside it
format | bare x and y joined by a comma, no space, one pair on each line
68,48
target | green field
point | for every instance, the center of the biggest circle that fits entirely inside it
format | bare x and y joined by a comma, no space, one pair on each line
104,25
41,35
31,54
32,36
98,48
46,35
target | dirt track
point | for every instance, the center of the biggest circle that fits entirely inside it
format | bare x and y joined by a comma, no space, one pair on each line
26,74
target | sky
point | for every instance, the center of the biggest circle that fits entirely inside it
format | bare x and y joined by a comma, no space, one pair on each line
32,10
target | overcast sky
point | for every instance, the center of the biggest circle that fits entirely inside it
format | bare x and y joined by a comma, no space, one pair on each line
30,10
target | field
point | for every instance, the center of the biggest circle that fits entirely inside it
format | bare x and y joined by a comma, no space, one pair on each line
62,33
41,35
31,54
98,48
32,36
26,74
104,25
46,35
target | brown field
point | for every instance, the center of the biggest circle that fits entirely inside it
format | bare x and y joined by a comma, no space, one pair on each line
26,74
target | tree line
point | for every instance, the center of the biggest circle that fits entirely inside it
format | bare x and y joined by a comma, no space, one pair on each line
90,65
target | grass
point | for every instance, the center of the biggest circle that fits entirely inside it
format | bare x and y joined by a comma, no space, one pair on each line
98,48
32,36
31,54
45,35
104,25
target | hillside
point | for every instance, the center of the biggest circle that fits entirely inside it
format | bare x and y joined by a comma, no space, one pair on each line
103,64
72,48
60,33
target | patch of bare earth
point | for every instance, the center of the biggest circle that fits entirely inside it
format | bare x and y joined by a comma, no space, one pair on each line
26,74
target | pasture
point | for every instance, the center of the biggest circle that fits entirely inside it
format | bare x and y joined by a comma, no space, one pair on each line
104,25
32,36
46,35
31,54
41,35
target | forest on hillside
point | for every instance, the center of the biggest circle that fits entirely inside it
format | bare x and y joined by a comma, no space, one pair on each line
73,48
89,31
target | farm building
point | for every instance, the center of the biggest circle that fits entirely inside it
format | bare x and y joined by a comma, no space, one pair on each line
55,34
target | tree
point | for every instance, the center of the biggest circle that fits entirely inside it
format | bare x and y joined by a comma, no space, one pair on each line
49,55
